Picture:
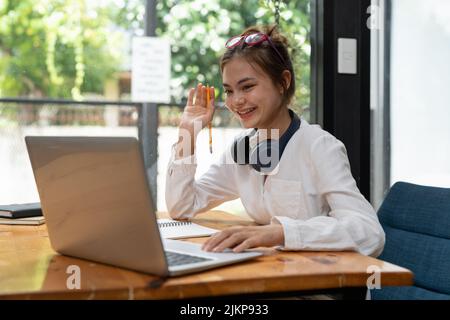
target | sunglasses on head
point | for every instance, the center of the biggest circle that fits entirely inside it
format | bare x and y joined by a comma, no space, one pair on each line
251,40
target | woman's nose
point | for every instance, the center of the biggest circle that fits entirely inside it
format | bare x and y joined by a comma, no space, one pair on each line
238,100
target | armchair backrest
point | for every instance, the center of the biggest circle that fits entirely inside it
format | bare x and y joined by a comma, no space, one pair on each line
416,220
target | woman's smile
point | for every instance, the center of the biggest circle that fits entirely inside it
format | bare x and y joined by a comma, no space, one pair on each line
246,114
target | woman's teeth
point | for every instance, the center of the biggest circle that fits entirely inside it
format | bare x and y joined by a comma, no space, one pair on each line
246,111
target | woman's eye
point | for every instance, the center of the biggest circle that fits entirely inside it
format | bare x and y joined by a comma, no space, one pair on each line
248,87
227,92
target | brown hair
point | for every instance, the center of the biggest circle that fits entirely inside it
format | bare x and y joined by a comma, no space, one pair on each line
266,58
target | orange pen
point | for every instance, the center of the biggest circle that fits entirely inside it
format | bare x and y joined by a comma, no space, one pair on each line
209,124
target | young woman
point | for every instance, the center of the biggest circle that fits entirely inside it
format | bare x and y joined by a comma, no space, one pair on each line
310,201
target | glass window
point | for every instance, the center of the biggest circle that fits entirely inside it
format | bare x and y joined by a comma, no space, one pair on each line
415,96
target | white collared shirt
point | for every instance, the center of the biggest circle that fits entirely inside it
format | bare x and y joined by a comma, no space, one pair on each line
313,195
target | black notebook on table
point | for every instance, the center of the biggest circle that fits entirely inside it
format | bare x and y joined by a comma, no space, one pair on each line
21,210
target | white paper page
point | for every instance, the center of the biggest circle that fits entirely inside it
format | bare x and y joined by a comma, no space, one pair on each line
180,229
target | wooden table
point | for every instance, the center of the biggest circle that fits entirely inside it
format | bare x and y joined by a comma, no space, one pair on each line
30,269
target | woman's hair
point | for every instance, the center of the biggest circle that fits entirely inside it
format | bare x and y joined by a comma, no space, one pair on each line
266,58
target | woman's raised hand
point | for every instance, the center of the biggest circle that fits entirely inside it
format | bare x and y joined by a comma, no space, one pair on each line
198,112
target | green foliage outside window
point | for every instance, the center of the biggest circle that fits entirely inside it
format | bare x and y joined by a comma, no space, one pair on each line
67,48
199,29
58,49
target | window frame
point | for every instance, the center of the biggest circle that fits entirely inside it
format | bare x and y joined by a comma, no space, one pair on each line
341,102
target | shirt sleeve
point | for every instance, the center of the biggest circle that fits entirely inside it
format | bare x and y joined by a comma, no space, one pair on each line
351,224
186,196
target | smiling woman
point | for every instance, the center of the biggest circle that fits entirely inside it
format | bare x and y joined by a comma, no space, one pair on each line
293,178
259,84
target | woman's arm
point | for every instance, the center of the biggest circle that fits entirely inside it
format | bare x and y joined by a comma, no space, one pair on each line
185,196
351,224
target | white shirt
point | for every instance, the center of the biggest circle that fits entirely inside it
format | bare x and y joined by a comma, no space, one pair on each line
313,195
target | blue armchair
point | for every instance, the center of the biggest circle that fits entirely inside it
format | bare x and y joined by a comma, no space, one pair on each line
416,220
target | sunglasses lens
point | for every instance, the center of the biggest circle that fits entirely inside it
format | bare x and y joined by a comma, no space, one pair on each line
255,38
233,42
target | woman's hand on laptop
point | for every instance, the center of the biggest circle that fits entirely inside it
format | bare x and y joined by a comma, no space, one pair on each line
241,238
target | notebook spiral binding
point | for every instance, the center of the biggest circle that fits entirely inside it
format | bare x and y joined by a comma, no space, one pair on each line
174,224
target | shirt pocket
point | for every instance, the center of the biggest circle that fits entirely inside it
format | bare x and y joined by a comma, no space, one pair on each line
286,198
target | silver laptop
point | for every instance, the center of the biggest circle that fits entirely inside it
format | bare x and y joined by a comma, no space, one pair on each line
96,200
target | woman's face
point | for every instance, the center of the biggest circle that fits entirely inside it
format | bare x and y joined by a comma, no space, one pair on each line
252,96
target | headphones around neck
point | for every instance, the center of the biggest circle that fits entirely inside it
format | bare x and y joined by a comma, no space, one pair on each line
265,155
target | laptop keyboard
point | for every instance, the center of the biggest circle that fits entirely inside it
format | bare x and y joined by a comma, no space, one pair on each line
177,259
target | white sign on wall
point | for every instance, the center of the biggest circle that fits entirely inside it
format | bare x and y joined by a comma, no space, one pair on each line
150,70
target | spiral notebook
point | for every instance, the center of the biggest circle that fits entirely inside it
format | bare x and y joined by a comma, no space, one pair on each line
173,229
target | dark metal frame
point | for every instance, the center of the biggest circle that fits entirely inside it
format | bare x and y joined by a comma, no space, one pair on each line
387,95
380,115
316,62
148,115
341,102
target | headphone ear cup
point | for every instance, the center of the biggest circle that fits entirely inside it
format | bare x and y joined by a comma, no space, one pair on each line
265,156
241,150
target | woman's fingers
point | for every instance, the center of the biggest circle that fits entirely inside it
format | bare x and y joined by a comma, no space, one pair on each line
191,94
197,109
215,239
244,245
228,238
230,242
199,95
242,238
